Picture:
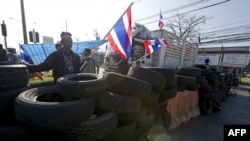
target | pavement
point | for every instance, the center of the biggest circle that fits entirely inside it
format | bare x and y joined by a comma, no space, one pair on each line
235,110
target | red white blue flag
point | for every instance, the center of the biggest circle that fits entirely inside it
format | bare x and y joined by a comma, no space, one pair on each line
153,45
161,22
199,39
120,36
25,57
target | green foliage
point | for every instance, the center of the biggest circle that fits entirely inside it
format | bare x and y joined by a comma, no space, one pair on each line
47,80
245,80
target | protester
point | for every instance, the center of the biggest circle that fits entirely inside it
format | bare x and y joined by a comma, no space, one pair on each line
207,61
62,62
91,65
3,54
58,46
137,64
123,67
12,57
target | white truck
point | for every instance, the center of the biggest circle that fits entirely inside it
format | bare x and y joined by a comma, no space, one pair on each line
173,56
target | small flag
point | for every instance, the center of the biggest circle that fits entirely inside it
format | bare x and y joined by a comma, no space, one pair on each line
153,45
161,22
199,39
120,36
25,57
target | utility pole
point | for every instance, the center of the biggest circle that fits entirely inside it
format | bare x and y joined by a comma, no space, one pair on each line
25,40
66,26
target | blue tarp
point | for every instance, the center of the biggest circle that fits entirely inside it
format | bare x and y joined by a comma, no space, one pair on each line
39,52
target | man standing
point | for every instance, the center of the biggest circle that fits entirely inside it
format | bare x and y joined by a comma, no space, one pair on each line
62,62
12,57
123,67
207,61
58,46
91,65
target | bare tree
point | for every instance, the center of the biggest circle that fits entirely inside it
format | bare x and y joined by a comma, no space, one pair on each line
185,28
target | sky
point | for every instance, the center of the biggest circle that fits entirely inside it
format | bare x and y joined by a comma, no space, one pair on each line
83,17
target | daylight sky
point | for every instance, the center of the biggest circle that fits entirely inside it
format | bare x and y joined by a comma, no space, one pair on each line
82,17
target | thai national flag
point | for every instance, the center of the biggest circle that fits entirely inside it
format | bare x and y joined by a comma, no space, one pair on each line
161,22
199,39
153,45
120,37
25,57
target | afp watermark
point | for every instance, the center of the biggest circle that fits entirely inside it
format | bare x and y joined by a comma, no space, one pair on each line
237,132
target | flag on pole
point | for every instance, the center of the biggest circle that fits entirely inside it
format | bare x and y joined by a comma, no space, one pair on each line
153,45
25,57
199,39
120,36
161,22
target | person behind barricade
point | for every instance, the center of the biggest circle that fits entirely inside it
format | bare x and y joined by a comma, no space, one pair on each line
58,46
3,54
207,61
123,67
137,64
12,57
62,62
91,65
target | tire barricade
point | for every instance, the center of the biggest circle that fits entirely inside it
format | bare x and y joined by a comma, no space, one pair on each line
108,105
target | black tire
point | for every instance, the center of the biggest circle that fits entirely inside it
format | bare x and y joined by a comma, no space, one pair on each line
205,69
15,132
156,109
123,132
81,85
156,79
43,108
91,129
7,99
166,119
185,80
216,105
195,87
169,75
205,106
168,93
116,103
189,71
133,117
13,77
129,86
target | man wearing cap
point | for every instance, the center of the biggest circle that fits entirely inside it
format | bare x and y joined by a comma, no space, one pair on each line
207,61
62,62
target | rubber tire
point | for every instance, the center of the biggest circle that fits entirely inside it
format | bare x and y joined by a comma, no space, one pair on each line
36,108
156,79
129,86
81,85
13,77
91,129
189,71
205,106
7,99
116,103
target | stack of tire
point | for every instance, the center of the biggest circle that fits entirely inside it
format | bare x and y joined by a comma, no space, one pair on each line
209,88
163,87
13,81
85,107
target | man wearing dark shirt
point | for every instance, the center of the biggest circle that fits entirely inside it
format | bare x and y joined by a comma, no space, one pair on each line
62,62
123,67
